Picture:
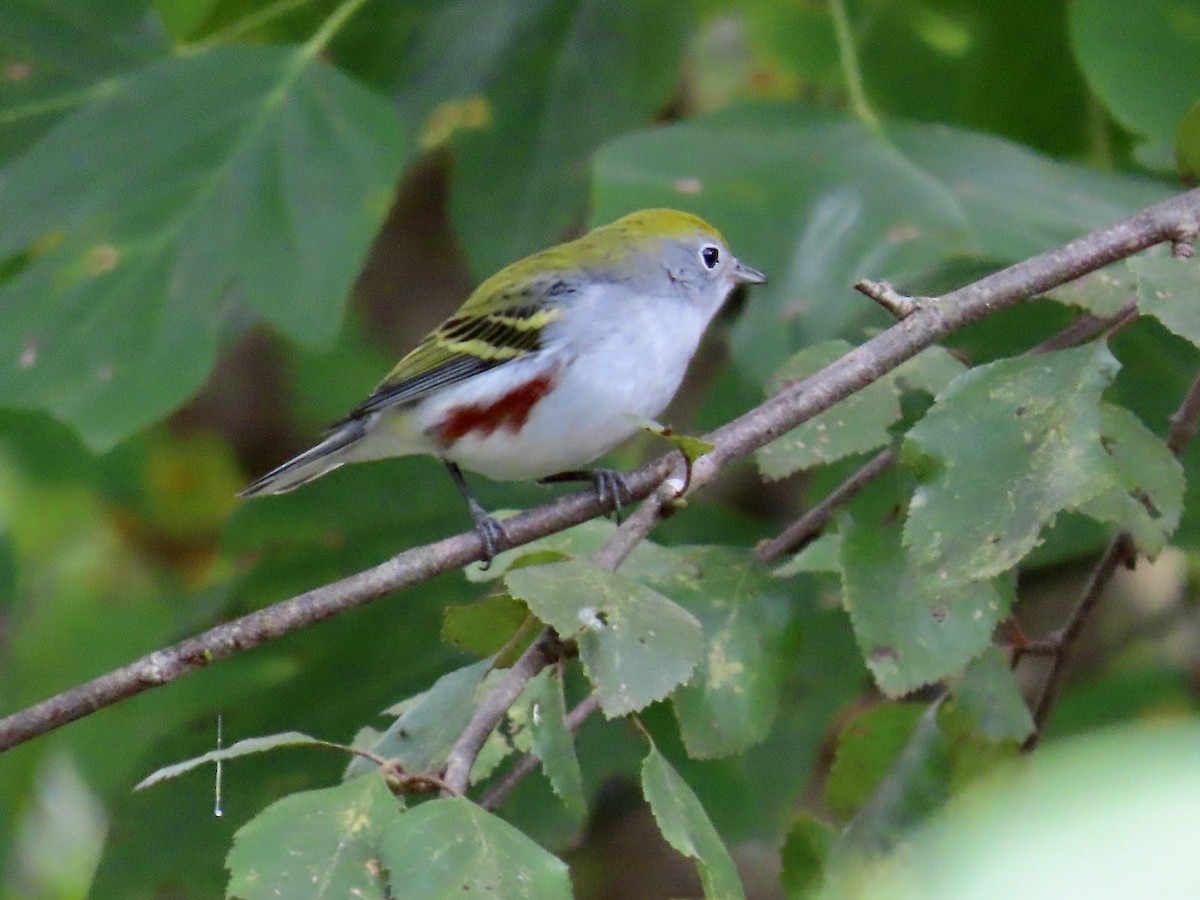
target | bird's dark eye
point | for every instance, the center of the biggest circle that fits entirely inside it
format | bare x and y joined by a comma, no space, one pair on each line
711,256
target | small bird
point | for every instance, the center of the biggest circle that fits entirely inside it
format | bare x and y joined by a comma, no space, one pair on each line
548,364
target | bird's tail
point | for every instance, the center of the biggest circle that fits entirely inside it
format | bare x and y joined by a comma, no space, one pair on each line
312,463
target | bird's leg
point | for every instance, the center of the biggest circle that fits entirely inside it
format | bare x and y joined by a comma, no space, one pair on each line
491,532
610,486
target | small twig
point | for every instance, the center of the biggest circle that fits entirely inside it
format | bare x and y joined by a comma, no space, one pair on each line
547,648
801,532
1182,423
1121,550
1086,327
400,782
899,305
1047,646
498,792
1184,242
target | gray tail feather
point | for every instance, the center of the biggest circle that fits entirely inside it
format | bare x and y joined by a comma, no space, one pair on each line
309,465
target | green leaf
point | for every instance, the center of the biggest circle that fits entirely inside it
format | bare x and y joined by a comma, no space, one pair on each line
818,201
636,645
730,702
1187,145
428,724
820,555
685,825
1002,451
145,250
525,91
241,748
1145,482
915,782
58,55
692,448
957,70
183,17
855,425
1102,292
1020,203
805,850
1167,289
867,747
485,626
322,843
989,697
452,848
860,422
913,626
552,739
1131,56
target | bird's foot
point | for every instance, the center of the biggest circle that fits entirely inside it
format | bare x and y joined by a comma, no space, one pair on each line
491,533
611,489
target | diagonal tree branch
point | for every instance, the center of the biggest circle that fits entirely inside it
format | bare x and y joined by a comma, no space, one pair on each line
1172,220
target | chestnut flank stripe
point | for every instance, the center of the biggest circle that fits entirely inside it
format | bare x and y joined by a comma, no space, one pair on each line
511,411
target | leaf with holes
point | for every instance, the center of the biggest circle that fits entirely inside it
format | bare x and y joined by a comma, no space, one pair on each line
636,645
912,625
1143,491
1003,450
730,702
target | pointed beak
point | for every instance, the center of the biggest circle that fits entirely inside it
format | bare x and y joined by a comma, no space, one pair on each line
744,274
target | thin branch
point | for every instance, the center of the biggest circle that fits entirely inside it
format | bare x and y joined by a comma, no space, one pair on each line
899,305
1086,327
1121,551
1182,424
498,792
795,404
801,532
547,648
637,527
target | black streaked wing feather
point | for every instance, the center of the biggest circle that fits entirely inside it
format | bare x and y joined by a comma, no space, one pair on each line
433,364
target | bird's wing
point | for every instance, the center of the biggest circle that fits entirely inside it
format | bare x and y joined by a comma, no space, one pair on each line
465,345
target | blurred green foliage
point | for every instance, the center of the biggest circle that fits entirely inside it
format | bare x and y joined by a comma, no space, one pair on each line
222,219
